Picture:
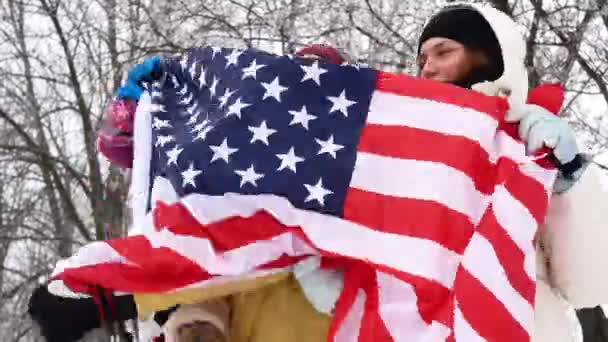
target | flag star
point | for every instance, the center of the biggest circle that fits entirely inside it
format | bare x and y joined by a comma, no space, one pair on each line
215,50
317,192
187,100
202,135
236,107
273,89
261,133
249,176
233,58
173,155
289,160
184,62
174,81
202,78
162,140
329,147
301,117
193,119
213,88
340,103
199,127
158,123
157,107
224,98
193,70
222,151
313,72
251,70
183,91
191,109
189,175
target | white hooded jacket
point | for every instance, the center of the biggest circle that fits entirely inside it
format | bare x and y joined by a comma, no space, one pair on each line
572,254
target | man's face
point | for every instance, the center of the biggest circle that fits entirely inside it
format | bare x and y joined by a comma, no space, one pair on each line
445,60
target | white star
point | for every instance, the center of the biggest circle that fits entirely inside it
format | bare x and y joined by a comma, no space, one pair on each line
162,140
199,127
184,62
183,91
215,50
187,100
157,107
222,151
193,119
251,70
189,176
203,134
224,98
313,72
202,78
193,70
249,176
329,147
317,192
301,117
340,103
191,109
289,160
235,108
261,133
173,155
213,88
273,89
233,58
158,123
174,81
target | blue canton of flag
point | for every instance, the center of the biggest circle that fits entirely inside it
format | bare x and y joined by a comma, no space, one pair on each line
249,122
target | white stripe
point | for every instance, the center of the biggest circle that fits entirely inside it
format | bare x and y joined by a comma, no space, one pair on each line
418,179
462,329
424,257
351,325
399,312
234,262
519,224
510,148
142,157
481,261
399,110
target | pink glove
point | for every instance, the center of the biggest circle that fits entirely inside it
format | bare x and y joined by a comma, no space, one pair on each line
115,138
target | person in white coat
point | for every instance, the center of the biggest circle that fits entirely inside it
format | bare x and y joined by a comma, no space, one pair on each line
572,246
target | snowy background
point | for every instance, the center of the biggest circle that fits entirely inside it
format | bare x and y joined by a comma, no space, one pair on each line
61,61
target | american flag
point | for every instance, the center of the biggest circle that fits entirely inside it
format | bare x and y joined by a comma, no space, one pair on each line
417,190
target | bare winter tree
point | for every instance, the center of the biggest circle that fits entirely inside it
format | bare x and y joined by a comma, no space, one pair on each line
62,60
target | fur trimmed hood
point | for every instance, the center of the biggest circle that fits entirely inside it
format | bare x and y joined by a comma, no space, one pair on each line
513,83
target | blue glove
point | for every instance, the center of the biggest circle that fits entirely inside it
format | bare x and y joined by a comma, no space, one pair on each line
539,128
132,89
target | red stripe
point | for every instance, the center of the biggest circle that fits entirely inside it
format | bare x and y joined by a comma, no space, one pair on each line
484,312
416,144
405,85
509,255
373,328
409,217
529,192
230,233
149,269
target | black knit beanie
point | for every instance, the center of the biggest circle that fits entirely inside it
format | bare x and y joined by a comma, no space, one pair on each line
467,26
